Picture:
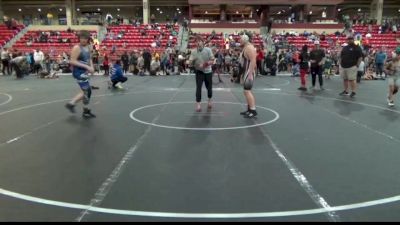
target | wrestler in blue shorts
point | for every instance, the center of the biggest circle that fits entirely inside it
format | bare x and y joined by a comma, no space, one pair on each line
82,66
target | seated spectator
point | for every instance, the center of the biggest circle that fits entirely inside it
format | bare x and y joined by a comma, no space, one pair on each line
14,24
65,56
158,43
111,35
154,66
117,76
394,28
7,22
69,30
119,37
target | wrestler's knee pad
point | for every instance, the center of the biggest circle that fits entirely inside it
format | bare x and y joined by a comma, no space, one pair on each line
248,85
87,94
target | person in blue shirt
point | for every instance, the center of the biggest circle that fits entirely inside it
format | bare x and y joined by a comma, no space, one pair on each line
117,76
380,60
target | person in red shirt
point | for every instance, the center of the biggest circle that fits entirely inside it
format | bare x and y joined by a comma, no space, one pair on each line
260,58
106,65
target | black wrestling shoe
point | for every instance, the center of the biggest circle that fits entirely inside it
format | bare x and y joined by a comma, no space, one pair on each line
302,89
95,88
245,113
352,95
70,107
87,114
251,114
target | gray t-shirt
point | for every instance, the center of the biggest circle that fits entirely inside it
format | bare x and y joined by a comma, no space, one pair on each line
200,57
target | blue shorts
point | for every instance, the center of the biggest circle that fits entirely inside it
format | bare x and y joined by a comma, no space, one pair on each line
82,80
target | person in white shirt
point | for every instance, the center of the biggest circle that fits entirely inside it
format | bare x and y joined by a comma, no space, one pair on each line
361,71
109,18
38,57
5,59
394,28
154,66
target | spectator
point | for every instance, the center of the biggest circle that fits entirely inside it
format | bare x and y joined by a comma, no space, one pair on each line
95,60
125,62
7,22
317,59
153,19
109,18
143,32
228,62
65,56
185,24
147,60
270,64
133,63
296,64
38,57
113,49
361,71
5,60
47,63
304,67
380,61
14,24
106,66
158,43
117,76
111,35
31,61
141,64
394,28
155,66
119,36
164,62
260,58
328,67
289,60
351,57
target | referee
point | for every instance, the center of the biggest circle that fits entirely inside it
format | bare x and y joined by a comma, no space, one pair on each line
202,58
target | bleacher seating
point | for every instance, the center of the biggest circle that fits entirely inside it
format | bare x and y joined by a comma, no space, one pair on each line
219,40
135,41
386,40
6,35
52,44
